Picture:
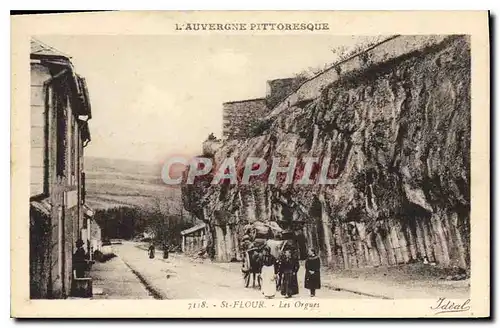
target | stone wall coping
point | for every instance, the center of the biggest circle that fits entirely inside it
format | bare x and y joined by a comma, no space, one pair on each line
390,48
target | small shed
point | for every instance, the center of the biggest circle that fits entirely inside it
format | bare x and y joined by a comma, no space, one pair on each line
194,239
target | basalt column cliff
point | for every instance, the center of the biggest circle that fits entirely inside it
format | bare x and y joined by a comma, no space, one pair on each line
395,121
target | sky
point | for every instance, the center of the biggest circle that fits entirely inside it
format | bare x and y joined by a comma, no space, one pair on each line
157,96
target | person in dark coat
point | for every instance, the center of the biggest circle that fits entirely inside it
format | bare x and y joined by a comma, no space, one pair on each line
151,251
289,267
80,259
256,267
312,280
279,274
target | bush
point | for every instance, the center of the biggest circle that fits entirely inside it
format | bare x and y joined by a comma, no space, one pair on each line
259,127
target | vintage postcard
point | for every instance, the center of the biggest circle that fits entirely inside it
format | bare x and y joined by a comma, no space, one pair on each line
251,164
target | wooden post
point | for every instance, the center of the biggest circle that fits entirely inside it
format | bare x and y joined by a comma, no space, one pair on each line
203,238
191,243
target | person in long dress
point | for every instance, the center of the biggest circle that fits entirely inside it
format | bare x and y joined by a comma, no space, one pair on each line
289,267
312,279
269,271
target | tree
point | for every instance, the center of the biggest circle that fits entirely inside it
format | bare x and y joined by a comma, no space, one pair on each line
167,223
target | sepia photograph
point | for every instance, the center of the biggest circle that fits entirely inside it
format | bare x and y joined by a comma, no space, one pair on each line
253,165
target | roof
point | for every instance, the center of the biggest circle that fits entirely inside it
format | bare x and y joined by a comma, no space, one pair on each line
78,84
39,48
193,229
42,207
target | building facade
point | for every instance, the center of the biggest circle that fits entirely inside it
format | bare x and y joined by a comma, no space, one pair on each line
60,110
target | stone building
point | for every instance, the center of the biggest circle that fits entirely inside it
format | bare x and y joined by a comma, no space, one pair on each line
241,118
279,89
60,111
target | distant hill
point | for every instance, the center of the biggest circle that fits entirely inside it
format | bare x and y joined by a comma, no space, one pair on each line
119,182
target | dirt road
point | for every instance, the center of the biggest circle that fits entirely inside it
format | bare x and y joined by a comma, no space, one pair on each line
179,277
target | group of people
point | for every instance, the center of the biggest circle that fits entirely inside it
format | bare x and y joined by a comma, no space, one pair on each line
280,274
151,251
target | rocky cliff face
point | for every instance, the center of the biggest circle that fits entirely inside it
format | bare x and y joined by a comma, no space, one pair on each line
398,134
